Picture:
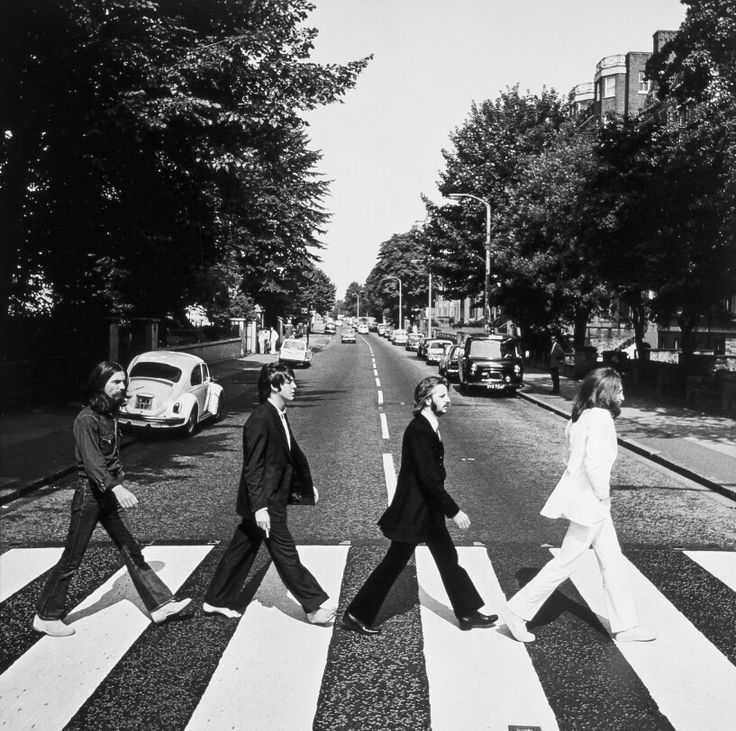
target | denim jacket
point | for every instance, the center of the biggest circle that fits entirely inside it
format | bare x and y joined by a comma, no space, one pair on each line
96,449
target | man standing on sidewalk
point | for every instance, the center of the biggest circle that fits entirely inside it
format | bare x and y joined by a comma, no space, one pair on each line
556,359
101,497
275,473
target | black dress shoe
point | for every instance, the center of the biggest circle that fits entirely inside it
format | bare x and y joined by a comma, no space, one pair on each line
477,620
355,625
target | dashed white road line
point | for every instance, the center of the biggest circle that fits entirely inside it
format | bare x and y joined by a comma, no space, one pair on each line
380,398
384,426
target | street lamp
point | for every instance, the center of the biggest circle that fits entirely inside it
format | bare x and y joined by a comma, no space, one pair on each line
391,276
429,296
486,308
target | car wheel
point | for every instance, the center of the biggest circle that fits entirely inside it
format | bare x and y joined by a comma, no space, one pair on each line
191,426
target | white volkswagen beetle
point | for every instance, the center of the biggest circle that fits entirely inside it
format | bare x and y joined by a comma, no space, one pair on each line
170,390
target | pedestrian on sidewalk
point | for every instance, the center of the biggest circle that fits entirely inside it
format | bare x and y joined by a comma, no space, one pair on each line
273,340
556,359
262,337
275,473
417,514
100,497
583,496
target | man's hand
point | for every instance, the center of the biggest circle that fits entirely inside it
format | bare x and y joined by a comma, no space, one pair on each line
461,520
316,494
263,520
126,499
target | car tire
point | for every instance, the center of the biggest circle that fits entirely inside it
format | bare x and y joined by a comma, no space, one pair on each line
191,426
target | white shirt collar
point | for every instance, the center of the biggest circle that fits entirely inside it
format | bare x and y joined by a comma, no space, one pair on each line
431,418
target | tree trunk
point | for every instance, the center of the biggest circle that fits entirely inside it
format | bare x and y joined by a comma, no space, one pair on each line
581,327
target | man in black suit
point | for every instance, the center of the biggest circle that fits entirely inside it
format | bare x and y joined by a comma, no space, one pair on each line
275,473
417,514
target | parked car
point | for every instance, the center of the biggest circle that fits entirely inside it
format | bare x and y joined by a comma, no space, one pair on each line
347,335
363,328
388,332
398,337
449,364
412,341
170,390
295,352
380,328
435,349
330,328
491,363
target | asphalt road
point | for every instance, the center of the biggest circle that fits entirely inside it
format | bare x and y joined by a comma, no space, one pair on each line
271,670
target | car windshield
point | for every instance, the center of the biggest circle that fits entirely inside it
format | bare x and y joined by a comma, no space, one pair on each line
438,344
293,345
492,349
159,371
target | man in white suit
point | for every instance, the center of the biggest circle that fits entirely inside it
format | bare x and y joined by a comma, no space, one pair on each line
583,496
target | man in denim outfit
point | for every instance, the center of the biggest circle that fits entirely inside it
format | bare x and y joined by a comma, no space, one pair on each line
101,497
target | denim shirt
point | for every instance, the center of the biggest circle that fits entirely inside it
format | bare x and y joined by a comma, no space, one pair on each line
96,449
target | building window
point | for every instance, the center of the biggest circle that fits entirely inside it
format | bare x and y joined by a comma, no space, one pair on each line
644,83
609,88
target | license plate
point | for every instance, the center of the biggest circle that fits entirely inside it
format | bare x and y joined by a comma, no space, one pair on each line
143,402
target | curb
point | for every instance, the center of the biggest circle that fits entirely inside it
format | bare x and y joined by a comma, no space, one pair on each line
650,454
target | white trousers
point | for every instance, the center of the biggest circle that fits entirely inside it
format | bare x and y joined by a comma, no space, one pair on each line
601,537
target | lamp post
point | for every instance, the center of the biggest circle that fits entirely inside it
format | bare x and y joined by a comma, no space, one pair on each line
391,276
486,308
429,296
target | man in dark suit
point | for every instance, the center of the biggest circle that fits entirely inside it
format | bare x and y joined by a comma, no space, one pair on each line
275,473
417,514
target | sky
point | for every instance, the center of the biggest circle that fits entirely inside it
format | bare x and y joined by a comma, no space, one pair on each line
382,147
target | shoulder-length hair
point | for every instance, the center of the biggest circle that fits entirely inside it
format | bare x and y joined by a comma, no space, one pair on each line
272,374
94,393
424,390
599,389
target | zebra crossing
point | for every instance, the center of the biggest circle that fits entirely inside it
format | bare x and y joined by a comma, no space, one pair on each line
273,670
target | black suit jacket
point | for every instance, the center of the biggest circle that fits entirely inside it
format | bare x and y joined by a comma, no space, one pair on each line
420,503
272,474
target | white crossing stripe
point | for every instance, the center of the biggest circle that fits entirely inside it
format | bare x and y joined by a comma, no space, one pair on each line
46,686
481,678
20,566
384,426
389,474
722,564
270,675
689,679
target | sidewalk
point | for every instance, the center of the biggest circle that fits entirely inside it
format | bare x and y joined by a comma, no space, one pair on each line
699,446
37,447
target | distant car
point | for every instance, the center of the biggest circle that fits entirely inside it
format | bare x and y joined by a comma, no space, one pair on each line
449,363
362,328
388,332
170,390
491,363
399,336
347,335
380,328
412,341
330,328
435,349
295,352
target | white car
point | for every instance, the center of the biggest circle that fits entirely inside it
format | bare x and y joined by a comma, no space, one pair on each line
170,390
295,352
362,328
399,337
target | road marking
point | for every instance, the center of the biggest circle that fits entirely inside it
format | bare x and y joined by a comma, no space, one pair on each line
378,383
270,674
375,373
47,685
720,564
384,426
380,398
20,566
389,473
688,678
728,449
481,674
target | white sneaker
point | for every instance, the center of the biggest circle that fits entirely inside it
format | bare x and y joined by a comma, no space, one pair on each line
517,626
635,634
52,627
224,611
323,615
169,610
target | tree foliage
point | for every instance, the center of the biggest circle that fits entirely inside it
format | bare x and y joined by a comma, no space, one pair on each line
151,145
